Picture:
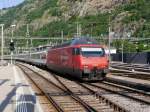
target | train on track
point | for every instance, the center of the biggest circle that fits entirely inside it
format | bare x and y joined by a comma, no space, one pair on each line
80,57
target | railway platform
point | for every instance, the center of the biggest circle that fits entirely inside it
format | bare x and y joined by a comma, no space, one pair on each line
16,94
129,80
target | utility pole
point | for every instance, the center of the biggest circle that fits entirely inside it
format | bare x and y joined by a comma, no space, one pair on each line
62,36
109,46
77,29
80,30
122,50
2,42
31,44
109,40
91,29
27,43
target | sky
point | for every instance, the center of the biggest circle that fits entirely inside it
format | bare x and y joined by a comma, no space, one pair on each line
9,3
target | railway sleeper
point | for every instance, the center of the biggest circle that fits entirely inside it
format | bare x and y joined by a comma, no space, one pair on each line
70,105
106,110
57,94
74,110
67,102
112,105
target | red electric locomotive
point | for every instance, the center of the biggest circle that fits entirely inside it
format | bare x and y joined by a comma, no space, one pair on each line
81,57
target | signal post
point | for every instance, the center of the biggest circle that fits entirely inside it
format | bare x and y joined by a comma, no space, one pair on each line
12,48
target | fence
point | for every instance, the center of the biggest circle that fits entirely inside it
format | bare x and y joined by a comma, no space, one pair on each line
139,58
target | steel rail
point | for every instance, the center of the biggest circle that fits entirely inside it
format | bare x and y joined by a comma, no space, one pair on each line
131,71
122,94
75,97
127,88
57,107
88,107
112,104
133,67
143,87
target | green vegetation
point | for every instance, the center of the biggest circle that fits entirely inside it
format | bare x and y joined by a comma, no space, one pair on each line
92,25
37,13
138,13
8,17
139,10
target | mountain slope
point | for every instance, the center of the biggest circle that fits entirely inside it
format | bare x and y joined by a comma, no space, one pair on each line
39,13
50,17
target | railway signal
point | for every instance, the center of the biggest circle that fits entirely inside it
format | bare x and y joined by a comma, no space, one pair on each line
11,46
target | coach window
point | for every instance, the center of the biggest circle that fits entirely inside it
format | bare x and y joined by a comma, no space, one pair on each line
76,51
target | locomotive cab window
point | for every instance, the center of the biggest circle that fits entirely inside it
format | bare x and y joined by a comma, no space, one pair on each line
92,52
75,51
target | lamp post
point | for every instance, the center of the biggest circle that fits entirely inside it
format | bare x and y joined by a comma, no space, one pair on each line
29,47
122,50
109,45
12,31
12,36
109,35
62,36
2,42
128,34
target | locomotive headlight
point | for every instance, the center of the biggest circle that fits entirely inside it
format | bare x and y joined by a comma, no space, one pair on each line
86,69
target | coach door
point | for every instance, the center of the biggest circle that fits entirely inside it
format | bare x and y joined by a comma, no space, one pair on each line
75,53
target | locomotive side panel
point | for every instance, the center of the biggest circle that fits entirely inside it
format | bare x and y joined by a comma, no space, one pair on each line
57,60
62,60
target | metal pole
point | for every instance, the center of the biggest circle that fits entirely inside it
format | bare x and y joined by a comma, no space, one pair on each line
122,52
16,47
109,40
80,30
62,36
2,42
109,46
27,36
31,41
11,58
12,32
91,29
77,29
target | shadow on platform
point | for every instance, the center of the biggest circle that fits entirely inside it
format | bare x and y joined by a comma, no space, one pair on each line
2,81
25,103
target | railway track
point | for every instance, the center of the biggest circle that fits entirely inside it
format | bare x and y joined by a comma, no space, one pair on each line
133,75
135,96
132,67
131,84
69,96
100,103
122,95
131,70
130,64
61,100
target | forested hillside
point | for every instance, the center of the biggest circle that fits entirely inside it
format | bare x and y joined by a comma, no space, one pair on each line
47,18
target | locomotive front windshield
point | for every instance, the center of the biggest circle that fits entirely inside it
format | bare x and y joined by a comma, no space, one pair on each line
92,52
